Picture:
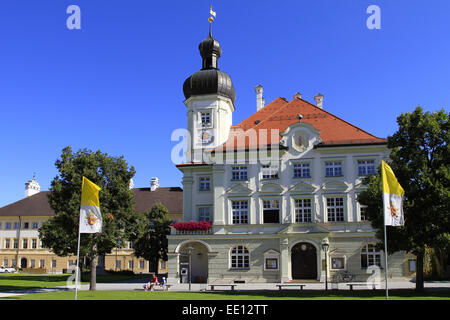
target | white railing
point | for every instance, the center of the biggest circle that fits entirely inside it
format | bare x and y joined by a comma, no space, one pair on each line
178,232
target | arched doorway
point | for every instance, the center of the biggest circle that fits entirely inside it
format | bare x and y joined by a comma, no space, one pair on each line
304,261
199,262
23,263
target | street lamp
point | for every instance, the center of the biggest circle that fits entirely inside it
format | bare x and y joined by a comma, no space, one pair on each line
325,247
190,261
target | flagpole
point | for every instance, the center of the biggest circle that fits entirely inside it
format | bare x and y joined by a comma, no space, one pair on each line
386,260
76,270
385,241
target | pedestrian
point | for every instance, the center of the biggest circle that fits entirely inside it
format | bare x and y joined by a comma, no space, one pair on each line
164,283
153,283
147,286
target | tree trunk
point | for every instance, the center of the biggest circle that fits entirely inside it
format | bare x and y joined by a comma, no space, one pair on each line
438,264
93,284
153,265
419,271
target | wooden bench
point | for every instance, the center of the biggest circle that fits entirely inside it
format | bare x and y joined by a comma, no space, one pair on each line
360,284
222,285
290,285
160,286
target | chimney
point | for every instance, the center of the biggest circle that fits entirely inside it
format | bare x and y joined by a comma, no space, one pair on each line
154,183
131,184
259,97
298,95
319,100
32,187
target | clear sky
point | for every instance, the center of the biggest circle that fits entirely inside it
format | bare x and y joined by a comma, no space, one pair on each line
116,84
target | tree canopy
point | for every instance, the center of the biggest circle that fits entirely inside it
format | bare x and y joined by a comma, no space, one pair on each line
420,159
151,241
112,175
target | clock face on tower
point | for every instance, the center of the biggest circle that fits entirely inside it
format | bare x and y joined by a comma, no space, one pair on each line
206,136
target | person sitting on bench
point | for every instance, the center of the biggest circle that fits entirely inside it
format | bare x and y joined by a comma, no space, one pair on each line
150,285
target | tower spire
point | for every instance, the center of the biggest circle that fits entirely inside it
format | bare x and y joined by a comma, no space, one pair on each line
212,16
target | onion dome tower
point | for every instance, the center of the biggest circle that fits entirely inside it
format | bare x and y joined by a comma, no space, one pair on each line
209,80
210,98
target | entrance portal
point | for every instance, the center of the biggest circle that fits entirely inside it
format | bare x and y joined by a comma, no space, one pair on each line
199,263
23,263
304,261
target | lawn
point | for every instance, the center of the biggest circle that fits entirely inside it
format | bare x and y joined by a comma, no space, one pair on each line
28,281
240,295
24,281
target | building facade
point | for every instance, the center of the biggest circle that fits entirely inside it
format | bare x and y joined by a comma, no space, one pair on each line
276,188
21,247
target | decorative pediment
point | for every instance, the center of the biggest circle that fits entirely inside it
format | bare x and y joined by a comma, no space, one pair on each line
239,189
340,186
287,229
271,188
307,127
271,252
300,136
303,187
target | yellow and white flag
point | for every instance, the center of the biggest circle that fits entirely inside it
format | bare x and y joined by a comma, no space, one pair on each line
212,15
90,215
392,197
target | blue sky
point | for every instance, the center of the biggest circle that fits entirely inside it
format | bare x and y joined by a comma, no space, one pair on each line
116,84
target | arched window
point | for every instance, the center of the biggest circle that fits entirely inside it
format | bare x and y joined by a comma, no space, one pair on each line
240,258
370,256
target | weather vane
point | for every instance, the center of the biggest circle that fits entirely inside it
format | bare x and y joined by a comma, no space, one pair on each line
211,18
212,15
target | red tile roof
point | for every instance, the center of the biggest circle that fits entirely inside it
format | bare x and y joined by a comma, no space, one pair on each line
280,114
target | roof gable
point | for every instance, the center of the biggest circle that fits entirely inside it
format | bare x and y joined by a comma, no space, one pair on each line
280,115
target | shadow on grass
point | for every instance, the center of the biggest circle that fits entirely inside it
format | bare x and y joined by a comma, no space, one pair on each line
23,281
275,295
43,278
332,294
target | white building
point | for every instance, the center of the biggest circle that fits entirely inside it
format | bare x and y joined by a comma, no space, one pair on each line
294,188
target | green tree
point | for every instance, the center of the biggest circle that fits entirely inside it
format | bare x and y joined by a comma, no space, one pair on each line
151,241
112,175
420,159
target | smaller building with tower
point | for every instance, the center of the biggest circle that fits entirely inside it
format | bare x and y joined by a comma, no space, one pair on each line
20,221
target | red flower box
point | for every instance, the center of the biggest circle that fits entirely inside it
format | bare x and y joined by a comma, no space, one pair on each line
192,225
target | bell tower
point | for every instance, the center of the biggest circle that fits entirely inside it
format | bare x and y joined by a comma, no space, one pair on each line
210,98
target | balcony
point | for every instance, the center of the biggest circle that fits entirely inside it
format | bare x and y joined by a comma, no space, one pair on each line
191,232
